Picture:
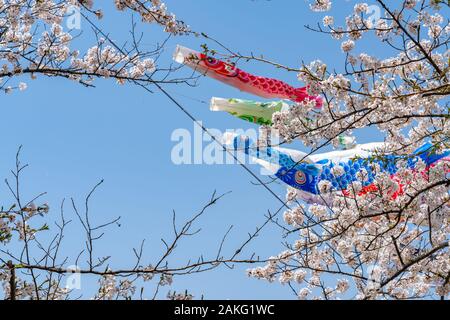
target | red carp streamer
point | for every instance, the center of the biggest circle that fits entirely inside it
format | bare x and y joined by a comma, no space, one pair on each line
244,81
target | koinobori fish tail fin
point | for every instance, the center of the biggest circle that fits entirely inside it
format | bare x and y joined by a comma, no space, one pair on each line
429,155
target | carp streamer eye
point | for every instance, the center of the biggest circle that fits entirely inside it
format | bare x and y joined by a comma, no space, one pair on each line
211,62
300,177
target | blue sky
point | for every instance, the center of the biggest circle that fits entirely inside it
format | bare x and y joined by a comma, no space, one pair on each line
74,136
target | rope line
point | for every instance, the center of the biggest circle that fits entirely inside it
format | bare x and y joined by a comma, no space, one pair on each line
204,129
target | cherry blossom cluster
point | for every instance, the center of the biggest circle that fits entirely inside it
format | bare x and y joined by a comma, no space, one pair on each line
34,40
110,288
33,265
154,11
391,241
382,246
10,222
